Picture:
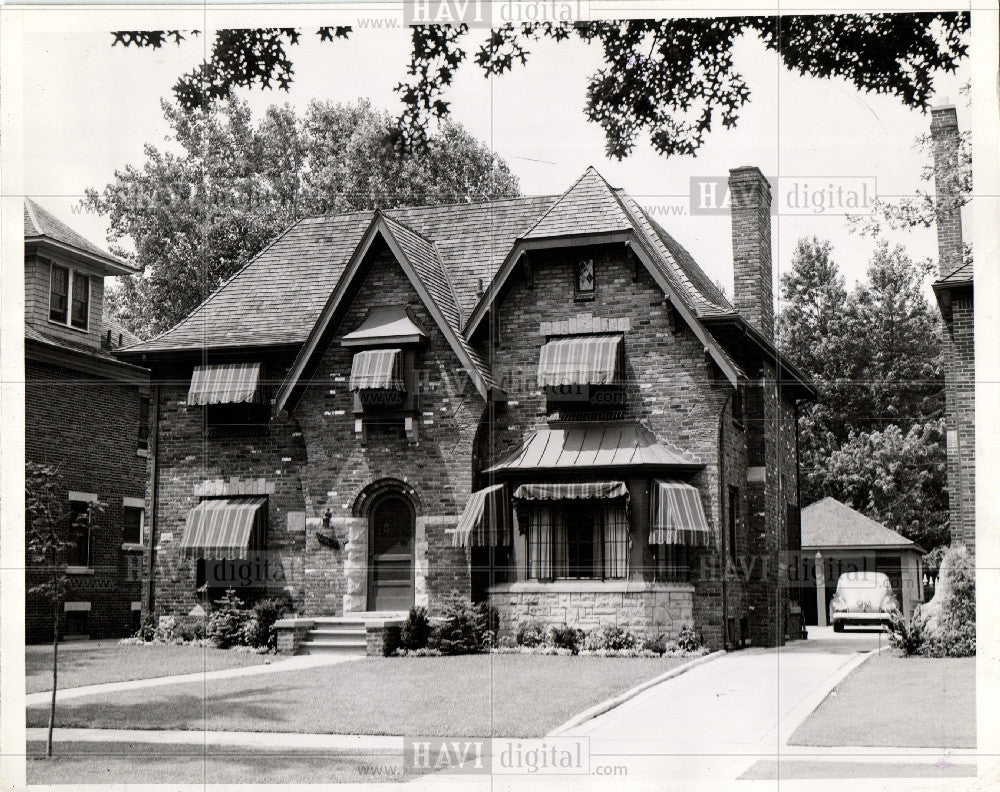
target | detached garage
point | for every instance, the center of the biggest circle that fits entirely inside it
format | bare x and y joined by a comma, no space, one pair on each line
837,539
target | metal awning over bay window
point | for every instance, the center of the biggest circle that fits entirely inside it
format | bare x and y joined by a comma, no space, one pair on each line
486,521
377,369
581,360
225,528
228,383
677,516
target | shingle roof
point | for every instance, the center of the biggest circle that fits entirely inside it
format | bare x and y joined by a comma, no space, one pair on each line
39,223
959,276
457,249
829,523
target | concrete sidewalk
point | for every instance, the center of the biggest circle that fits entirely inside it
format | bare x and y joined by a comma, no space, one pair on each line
291,664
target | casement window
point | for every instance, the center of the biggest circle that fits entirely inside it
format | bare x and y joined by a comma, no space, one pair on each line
134,518
577,540
77,619
69,297
671,563
585,279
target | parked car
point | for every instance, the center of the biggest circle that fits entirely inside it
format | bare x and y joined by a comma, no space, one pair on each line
864,598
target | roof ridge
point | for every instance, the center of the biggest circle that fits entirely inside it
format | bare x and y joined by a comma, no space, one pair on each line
406,207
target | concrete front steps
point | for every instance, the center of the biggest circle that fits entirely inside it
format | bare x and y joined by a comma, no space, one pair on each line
343,635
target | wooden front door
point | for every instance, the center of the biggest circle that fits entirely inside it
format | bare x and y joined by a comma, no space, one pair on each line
391,527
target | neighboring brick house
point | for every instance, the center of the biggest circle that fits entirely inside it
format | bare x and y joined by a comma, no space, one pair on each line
85,414
954,292
541,400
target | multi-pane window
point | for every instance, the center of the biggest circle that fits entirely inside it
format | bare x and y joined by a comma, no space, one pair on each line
577,540
671,562
133,525
81,301
69,297
58,294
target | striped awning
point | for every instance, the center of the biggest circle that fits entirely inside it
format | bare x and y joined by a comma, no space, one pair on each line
377,369
229,383
677,516
591,490
580,360
224,528
486,520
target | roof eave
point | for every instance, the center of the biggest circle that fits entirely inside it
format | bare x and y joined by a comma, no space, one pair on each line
108,265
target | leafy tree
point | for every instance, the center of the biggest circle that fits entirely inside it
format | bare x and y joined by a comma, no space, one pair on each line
671,78
195,217
873,437
50,527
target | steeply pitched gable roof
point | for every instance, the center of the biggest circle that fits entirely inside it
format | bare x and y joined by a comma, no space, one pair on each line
829,523
40,225
588,207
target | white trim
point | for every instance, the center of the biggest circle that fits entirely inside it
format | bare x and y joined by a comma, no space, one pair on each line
76,606
82,497
72,273
134,503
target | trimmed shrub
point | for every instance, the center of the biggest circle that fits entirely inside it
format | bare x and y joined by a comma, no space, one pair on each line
226,622
566,637
416,630
656,645
258,630
147,630
530,633
615,639
953,632
391,643
688,640
465,629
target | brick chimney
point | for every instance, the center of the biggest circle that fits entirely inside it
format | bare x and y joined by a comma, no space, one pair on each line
750,201
945,139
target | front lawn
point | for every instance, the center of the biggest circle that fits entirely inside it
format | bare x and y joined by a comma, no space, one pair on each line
906,702
121,763
114,662
506,695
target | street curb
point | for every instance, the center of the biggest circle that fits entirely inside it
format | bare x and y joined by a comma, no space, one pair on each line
604,706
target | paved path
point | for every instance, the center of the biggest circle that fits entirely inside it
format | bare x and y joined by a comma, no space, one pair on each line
291,664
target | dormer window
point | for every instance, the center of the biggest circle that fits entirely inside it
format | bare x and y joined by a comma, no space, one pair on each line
69,297
383,369
232,395
582,374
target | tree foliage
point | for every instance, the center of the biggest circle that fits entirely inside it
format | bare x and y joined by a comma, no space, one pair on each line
191,219
873,438
670,78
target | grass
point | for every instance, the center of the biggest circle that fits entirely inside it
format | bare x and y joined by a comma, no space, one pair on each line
114,662
508,695
120,763
906,702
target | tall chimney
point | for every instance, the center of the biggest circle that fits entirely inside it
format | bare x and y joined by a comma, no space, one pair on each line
750,201
945,139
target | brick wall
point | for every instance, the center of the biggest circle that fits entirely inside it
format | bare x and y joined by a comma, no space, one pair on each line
753,296
945,141
960,416
88,428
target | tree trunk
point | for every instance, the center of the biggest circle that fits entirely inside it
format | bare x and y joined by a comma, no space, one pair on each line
55,672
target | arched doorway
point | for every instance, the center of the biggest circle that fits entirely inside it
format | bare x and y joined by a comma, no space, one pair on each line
391,530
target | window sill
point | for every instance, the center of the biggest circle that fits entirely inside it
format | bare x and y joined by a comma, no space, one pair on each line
132,546
79,570
585,296
142,452
68,326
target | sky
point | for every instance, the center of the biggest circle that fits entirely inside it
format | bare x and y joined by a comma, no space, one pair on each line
90,108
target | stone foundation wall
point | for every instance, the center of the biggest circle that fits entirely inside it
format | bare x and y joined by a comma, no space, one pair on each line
649,609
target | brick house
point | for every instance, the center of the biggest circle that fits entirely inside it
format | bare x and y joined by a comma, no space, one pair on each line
85,412
954,291
543,401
